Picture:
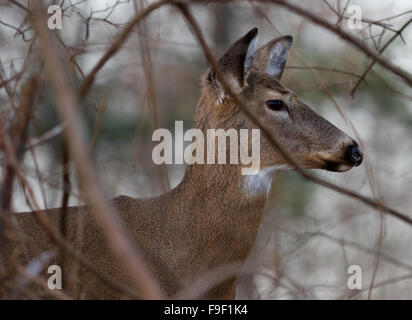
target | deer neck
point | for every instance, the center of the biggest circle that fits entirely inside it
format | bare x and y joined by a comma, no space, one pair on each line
226,183
223,211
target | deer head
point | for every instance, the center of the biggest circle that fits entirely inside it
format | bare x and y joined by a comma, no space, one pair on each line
254,75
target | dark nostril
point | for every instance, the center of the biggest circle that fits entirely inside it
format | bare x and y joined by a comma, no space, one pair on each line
353,155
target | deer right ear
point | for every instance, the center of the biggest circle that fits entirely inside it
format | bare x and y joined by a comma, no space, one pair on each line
237,60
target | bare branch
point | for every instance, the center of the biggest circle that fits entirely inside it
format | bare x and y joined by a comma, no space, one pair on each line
407,77
117,43
106,217
398,33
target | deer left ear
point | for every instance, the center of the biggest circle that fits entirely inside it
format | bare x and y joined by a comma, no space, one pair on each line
272,57
237,60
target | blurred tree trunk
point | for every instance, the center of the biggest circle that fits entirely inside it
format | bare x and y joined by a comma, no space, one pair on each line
223,16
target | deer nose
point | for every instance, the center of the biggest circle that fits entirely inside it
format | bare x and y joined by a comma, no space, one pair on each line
353,155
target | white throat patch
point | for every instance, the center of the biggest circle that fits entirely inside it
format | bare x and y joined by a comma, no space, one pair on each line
260,183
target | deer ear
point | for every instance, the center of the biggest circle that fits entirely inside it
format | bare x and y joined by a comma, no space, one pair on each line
272,57
237,60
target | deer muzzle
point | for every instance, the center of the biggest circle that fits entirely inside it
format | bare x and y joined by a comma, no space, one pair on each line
353,155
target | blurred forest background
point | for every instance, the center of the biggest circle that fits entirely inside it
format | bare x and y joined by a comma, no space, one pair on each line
310,234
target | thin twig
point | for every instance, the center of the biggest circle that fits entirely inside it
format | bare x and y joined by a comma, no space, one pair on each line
398,33
117,43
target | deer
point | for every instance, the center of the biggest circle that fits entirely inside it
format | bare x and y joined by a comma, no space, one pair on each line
212,217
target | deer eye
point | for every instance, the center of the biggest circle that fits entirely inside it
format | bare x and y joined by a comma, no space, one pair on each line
276,105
